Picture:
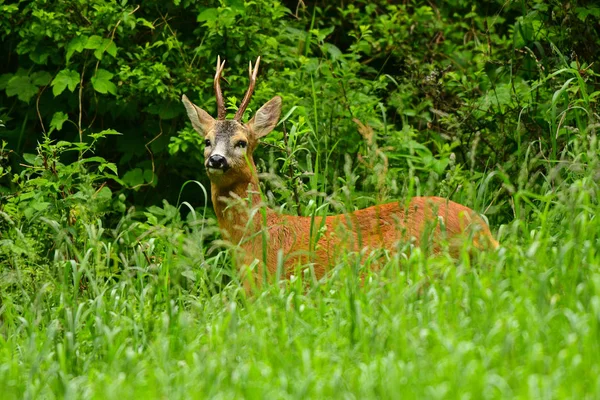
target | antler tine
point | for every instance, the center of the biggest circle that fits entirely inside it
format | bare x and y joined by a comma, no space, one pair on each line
221,111
252,73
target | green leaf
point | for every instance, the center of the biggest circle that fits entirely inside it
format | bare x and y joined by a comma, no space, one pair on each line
110,166
30,158
134,177
210,14
107,46
77,44
41,78
145,23
104,194
583,12
237,5
148,175
102,84
4,78
58,119
27,195
40,205
93,159
40,54
112,49
65,78
333,51
93,42
22,87
321,34
104,133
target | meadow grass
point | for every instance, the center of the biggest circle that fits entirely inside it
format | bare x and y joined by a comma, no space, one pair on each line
521,322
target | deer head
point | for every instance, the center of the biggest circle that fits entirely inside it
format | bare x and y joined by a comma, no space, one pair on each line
229,144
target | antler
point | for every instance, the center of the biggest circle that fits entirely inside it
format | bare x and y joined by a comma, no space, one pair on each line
252,72
222,112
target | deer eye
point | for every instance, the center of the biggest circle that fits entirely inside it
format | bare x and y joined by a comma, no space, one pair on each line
207,143
241,144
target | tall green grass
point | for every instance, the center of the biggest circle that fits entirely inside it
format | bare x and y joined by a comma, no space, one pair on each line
157,319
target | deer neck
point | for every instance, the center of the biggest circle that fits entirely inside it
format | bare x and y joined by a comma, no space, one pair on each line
233,203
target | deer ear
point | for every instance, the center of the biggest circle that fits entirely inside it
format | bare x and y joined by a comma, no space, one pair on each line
201,121
266,118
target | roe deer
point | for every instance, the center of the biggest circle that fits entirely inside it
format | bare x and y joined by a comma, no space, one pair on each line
266,235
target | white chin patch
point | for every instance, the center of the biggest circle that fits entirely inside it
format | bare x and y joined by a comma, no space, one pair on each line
215,171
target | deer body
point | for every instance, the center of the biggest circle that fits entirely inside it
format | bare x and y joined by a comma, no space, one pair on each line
268,236
320,241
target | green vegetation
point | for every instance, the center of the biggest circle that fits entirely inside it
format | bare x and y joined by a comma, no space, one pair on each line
114,284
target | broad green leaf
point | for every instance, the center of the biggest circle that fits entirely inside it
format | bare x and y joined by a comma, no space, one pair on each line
40,54
115,178
102,84
63,143
134,177
104,194
107,46
210,14
272,42
321,34
27,195
226,17
237,5
110,166
22,87
333,51
40,205
65,78
77,44
93,42
4,78
112,49
40,182
58,119
148,175
28,212
93,159
583,12
41,78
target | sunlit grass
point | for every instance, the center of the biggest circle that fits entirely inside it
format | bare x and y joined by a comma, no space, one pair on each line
520,322
153,308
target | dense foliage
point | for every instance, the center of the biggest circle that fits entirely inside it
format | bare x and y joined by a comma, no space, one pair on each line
112,282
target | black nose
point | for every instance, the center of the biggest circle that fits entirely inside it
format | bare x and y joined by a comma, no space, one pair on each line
218,162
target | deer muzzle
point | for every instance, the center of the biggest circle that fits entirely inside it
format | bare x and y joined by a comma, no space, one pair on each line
217,162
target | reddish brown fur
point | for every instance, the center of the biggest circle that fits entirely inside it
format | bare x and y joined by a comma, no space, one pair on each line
377,227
